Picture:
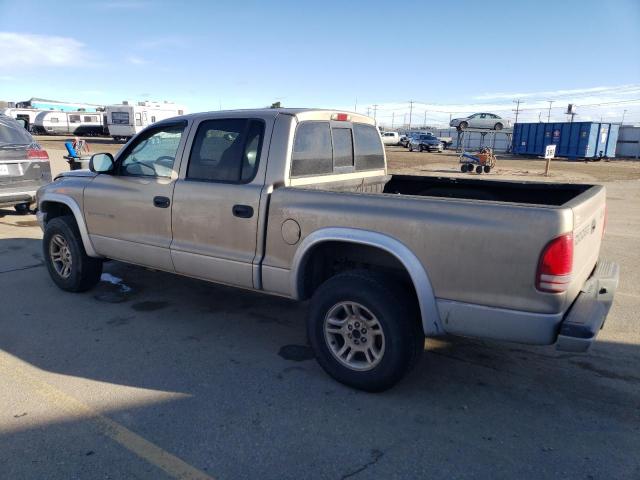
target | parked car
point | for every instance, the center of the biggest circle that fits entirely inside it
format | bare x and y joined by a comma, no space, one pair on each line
391,138
404,139
24,165
481,120
298,203
425,141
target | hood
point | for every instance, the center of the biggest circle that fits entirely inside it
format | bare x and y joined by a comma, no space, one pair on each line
77,173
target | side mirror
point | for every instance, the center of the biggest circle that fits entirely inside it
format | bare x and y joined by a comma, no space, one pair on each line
101,163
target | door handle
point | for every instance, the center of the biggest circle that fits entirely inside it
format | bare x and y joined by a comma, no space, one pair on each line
242,211
161,202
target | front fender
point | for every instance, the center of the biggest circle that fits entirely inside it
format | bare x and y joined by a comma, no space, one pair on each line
77,213
429,313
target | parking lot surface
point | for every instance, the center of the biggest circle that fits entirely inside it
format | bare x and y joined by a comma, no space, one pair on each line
152,375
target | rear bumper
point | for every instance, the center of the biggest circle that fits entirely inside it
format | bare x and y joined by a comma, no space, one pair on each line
586,316
8,199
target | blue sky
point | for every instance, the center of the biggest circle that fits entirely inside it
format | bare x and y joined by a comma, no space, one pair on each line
451,58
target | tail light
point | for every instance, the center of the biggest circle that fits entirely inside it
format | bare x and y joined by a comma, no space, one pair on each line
556,264
36,154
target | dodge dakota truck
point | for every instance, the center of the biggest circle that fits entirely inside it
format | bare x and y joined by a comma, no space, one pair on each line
299,203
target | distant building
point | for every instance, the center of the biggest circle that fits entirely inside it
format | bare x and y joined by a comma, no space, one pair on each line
44,104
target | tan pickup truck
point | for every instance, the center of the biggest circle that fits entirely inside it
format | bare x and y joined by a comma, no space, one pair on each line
298,203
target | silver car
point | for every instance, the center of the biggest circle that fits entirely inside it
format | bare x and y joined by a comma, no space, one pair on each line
481,120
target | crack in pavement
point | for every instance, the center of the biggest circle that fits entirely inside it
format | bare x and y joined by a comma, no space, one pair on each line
22,268
375,454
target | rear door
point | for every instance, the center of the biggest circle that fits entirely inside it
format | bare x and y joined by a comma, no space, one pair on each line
216,201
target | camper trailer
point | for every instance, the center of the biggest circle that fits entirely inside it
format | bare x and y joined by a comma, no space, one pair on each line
127,119
28,115
70,123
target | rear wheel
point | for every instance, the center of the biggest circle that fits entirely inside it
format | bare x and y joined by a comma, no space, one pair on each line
498,126
463,125
478,169
487,169
364,330
410,148
69,266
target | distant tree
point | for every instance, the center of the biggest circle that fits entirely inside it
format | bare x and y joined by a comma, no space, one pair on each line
276,105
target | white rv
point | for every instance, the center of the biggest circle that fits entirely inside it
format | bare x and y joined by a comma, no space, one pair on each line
27,114
69,123
127,119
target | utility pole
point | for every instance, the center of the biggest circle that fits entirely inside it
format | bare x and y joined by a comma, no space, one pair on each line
539,114
368,108
517,110
424,123
393,116
410,112
404,122
355,106
624,112
375,110
549,114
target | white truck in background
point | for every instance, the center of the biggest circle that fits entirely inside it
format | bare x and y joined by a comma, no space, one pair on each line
127,119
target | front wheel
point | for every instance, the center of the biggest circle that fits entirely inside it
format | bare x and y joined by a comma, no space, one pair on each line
498,126
69,266
410,148
364,330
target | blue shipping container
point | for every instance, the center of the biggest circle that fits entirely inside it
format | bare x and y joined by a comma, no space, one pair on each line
572,139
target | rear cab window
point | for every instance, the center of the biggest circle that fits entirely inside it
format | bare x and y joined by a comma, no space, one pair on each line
325,148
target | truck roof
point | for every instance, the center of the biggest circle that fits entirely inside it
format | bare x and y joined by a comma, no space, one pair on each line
301,113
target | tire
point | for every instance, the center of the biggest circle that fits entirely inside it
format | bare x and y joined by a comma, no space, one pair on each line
463,126
463,168
410,148
379,299
22,208
497,126
478,169
62,237
422,148
487,169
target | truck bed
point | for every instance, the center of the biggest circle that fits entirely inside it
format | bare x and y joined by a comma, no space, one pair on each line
552,194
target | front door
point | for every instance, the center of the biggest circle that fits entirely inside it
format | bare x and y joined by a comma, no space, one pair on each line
128,213
216,202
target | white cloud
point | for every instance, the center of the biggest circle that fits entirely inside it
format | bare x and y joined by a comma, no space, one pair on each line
29,50
7,78
620,90
135,60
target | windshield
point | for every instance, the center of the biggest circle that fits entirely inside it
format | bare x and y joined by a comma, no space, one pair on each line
12,133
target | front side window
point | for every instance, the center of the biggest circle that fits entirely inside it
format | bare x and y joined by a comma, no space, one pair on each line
153,153
226,150
312,153
368,147
74,118
120,118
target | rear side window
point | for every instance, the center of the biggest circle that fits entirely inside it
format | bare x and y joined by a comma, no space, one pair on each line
342,147
226,150
312,154
368,147
74,118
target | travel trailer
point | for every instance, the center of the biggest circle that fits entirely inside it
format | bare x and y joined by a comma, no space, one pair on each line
28,115
70,123
127,119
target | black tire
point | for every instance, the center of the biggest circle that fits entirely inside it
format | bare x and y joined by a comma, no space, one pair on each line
497,126
85,271
421,148
478,169
463,168
396,312
463,125
487,169
410,148
22,208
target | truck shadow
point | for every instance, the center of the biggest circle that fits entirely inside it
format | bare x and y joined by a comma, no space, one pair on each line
241,364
